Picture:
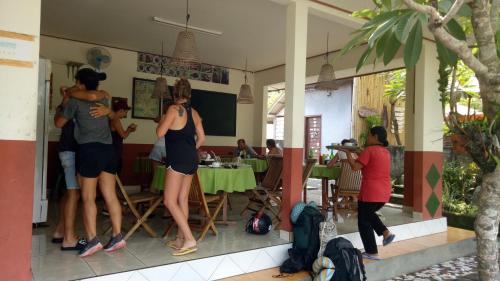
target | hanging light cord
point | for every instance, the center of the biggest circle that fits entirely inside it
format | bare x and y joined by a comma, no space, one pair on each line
327,37
161,60
187,13
246,63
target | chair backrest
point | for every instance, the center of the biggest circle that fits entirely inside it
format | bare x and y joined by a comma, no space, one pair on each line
226,158
196,194
307,171
123,195
349,181
274,172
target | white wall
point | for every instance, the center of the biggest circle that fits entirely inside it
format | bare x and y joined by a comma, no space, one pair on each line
119,83
335,111
344,67
18,85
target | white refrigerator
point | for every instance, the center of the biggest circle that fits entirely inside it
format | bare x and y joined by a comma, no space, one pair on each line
40,202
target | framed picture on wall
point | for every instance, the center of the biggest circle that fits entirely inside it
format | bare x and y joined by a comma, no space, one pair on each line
143,105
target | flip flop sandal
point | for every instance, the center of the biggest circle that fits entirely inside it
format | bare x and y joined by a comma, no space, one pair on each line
185,251
56,240
172,245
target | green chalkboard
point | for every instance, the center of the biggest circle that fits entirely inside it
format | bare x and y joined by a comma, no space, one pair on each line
218,111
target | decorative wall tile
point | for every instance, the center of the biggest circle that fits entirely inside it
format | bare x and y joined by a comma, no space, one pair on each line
186,272
226,268
244,259
263,261
150,63
161,273
206,267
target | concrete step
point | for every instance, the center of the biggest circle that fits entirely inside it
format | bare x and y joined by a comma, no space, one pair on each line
396,199
398,258
416,254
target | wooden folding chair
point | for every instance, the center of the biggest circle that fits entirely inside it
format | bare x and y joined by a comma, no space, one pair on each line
268,194
199,201
306,173
132,202
346,188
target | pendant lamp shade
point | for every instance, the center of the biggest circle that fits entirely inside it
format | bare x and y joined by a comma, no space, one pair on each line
185,48
326,79
245,96
161,89
185,51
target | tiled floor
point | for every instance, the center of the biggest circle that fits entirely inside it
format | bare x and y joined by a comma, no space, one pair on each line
142,251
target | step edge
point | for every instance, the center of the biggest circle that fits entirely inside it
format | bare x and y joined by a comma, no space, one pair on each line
393,266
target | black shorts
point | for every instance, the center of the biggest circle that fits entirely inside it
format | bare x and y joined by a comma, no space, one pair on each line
94,158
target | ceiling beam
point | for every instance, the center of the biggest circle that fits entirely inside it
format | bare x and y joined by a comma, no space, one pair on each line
333,13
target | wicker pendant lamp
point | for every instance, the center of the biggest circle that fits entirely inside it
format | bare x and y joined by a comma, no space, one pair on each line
185,51
245,96
160,90
326,79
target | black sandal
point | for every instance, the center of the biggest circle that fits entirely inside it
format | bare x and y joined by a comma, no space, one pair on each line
80,244
57,240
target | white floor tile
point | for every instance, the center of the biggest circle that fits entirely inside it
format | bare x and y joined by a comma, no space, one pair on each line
123,276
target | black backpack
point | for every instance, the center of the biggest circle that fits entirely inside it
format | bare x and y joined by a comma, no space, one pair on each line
347,260
305,241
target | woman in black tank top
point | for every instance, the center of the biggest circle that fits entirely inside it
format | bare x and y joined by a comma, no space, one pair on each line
183,131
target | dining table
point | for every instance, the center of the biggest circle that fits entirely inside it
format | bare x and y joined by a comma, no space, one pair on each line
326,174
216,179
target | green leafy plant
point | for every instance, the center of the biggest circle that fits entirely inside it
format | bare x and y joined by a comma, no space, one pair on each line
372,121
459,183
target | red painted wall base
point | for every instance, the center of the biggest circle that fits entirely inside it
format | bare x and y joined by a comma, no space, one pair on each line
17,171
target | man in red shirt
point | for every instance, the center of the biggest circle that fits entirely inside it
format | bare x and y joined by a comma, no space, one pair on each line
375,165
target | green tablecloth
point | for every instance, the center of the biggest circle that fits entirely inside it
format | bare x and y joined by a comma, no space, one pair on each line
215,179
322,171
258,165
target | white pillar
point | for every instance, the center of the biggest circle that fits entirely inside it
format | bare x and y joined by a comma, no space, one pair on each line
424,137
295,72
19,49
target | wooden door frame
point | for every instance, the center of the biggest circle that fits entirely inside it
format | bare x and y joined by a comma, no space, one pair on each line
305,134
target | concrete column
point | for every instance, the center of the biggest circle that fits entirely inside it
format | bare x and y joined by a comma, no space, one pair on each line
295,72
424,144
19,29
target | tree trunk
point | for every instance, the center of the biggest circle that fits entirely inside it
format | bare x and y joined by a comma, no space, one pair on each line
486,226
395,124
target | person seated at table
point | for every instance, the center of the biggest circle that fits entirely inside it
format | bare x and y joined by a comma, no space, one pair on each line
341,155
243,149
183,131
96,162
272,149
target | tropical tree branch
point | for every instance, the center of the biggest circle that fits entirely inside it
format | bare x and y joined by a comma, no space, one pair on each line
459,47
453,11
494,14
484,34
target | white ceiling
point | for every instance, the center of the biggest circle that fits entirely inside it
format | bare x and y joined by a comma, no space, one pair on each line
252,28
